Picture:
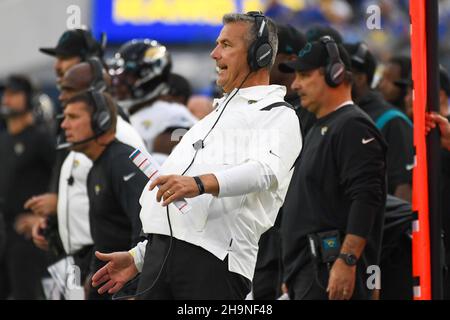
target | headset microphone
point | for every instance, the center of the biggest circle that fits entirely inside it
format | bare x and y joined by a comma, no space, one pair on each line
65,145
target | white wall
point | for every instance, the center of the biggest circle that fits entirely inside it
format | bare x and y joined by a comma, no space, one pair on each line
26,25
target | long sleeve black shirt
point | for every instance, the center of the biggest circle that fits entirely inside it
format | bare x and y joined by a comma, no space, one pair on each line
338,183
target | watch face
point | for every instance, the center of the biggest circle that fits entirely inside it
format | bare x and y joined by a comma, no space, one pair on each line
351,259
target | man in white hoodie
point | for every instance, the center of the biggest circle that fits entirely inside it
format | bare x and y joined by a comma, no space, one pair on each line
233,167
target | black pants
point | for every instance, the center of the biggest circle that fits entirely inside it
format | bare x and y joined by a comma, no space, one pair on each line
190,272
267,282
24,266
311,283
396,272
447,277
269,267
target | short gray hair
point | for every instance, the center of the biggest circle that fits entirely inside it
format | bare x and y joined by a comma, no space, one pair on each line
252,34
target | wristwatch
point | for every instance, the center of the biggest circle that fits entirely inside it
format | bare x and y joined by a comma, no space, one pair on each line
349,259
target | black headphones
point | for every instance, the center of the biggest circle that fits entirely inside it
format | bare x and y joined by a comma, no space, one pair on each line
260,52
101,117
360,54
33,100
93,48
98,83
335,68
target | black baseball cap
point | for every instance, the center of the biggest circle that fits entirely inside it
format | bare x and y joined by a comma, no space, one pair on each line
74,43
444,80
362,59
290,40
318,31
312,56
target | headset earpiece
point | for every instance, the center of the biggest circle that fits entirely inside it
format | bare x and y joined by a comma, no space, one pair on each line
260,52
335,68
98,83
92,47
101,117
33,101
360,54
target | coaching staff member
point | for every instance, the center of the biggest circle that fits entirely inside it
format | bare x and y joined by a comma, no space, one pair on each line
338,185
114,184
235,191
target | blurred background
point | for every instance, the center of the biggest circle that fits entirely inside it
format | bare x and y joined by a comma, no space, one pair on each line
189,28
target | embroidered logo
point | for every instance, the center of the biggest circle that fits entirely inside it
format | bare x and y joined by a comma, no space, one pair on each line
366,141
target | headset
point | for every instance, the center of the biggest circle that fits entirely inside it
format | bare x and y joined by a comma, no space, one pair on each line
98,83
335,68
93,48
32,99
101,120
260,52
361,52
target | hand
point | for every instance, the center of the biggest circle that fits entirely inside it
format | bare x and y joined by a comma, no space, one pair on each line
24,224
433,119
342,281
42,205
174,187
38,239
120,269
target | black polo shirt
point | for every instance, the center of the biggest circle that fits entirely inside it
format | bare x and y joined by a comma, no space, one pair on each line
338,183
114,187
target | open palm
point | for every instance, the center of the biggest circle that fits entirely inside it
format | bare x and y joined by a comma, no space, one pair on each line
119,269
